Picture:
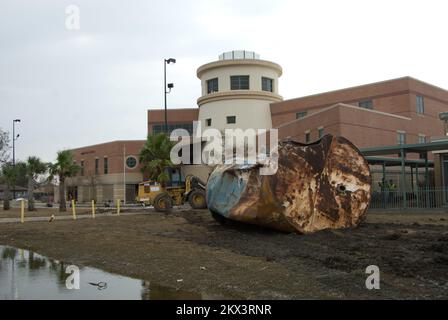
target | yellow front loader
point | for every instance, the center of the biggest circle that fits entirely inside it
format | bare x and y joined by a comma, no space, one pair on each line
176,191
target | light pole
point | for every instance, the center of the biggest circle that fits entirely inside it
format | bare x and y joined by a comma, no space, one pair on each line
170,86
14,138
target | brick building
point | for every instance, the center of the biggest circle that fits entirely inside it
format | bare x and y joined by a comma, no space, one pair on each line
105,169
397,111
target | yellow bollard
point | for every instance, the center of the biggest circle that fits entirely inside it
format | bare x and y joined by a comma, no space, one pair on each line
74,209
118,206
22,211
93,208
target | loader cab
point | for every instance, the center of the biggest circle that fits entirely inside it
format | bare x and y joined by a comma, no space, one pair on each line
176,177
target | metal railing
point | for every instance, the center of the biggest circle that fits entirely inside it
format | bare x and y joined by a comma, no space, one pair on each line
425,198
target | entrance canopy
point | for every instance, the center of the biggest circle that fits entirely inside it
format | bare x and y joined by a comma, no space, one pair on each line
376,156
420,148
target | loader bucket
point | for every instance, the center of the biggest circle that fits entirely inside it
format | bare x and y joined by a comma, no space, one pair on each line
323,185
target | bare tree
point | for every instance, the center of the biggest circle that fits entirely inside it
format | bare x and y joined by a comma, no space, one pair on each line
4,146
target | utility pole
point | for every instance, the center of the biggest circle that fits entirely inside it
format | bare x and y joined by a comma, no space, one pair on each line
170,86
14,138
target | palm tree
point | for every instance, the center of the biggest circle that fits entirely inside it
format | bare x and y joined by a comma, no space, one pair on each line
33,166
155,156
64,167
9,173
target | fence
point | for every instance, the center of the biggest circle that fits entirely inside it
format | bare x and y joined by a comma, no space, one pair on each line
425,198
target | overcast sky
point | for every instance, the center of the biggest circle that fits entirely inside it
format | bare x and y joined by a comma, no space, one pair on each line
73,88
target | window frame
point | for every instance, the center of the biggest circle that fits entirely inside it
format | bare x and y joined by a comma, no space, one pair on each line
230,117
271,84
308,136
212,81
399,140
420,104
304,114
97,166
369,106
239,77
106,165
421,137
320,132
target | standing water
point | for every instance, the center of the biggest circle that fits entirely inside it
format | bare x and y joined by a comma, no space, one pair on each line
27,275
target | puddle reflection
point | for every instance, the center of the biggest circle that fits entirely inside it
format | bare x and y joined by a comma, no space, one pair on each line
27,275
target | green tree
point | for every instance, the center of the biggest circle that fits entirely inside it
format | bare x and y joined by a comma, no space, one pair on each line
34,167
155,156
63,168
9,173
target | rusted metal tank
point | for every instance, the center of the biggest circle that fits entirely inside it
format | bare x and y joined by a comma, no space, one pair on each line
322,185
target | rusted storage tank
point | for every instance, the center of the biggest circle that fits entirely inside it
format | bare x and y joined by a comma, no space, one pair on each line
322,185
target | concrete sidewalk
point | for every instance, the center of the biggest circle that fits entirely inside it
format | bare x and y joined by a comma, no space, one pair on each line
70,217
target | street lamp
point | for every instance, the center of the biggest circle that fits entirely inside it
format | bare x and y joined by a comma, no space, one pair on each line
170,86
14,138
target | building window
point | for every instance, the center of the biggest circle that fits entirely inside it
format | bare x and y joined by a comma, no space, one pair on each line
267,84
106,165
401,138
307,136
231,119
301,114
367,104
159,128
420,105
97,166
131,162
320,132
239,83
421,138
82,167
208,122
212,85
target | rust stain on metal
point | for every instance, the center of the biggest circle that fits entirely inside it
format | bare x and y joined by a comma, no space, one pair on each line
317,186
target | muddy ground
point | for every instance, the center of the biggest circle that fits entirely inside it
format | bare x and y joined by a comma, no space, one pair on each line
245,262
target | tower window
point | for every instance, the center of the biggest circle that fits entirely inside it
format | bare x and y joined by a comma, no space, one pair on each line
239,82
212,85
231,119
267,84
208,122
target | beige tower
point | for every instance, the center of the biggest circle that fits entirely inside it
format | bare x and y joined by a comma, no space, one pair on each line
237,91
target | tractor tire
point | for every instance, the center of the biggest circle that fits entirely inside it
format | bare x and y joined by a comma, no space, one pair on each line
163,203
196,199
